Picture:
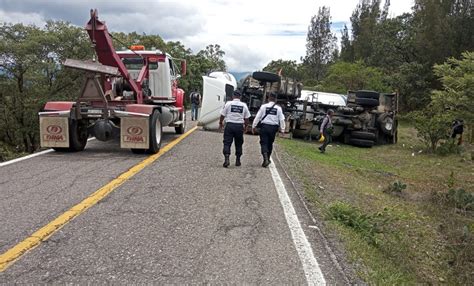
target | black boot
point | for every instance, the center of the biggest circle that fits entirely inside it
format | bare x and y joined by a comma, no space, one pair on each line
226,161
266,161
237,161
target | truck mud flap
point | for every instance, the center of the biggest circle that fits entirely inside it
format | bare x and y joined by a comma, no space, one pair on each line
134,132
54,131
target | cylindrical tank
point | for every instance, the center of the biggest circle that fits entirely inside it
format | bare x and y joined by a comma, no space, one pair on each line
169,114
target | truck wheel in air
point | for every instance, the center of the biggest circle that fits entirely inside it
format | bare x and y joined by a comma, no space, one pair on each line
182,127
367,94
156,133
77,136
367,102
266,76
363,135
361,142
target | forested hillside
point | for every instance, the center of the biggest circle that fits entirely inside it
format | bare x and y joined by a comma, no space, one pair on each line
385,53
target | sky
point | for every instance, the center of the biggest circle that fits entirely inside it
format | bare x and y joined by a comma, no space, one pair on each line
250,32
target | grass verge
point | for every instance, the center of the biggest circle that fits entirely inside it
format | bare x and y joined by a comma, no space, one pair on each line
404,216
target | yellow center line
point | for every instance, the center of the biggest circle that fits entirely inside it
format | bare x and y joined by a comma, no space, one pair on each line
14,253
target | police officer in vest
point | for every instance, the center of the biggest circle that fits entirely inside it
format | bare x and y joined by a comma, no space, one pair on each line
236,115
269,118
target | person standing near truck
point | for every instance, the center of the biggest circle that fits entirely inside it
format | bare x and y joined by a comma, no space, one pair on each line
326,129
236,115
269,119
195,103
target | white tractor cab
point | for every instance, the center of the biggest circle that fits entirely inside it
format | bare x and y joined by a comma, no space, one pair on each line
218,88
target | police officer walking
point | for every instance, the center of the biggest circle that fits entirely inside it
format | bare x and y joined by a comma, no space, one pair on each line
236,115
269,119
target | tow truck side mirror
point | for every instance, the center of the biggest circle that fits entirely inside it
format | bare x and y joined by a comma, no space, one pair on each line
183,67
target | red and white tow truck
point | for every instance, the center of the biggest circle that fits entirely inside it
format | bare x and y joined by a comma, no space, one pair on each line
129,94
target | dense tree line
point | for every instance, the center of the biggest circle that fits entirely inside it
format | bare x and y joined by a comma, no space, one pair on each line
401,51
31,73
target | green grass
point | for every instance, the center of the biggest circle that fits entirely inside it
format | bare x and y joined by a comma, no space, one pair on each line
380,271
423,240
344,156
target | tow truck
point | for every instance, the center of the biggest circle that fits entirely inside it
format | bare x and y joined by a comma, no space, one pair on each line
128,94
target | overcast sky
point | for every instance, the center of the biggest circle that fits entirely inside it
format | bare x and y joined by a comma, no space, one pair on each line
251,32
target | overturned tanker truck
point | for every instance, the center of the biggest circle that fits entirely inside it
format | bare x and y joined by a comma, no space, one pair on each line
362,118
366,118
128,94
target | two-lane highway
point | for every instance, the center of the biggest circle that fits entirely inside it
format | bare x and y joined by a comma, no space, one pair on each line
181,219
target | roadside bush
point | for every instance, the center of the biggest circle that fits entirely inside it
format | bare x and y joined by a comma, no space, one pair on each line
370,227
460,199
395,188
450,146
432,126
457,197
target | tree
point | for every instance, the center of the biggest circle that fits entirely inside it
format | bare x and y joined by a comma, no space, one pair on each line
457,93
320,43
347,50
344,76
30,64
432,125
214,55
286,67
412,82
364,21
455,100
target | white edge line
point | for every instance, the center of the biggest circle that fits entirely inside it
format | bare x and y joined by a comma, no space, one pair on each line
311,269
31,156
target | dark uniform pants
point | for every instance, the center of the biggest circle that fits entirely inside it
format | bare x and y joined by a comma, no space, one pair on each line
327,139
267,137
233,131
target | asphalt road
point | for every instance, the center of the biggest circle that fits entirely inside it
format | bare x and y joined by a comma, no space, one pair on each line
183,219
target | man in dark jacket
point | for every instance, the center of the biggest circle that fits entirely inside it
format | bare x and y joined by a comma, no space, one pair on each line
195,103
457,129
326,129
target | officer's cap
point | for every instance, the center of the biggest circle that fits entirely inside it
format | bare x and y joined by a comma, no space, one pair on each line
237,93
272,94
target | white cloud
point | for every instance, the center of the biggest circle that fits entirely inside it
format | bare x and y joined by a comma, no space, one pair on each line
252,33
18,17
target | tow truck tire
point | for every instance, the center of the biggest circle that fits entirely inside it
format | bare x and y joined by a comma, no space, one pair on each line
182,127
266,76
156,133
361,142
368,102
77,137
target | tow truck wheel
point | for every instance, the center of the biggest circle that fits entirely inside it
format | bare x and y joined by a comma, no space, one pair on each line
182,127
156,133
77,136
